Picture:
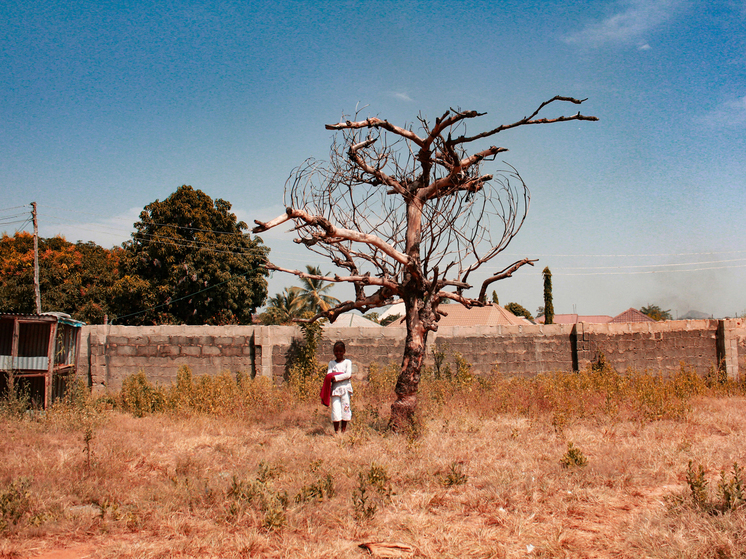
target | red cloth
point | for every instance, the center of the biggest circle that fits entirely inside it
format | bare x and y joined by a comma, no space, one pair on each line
326,389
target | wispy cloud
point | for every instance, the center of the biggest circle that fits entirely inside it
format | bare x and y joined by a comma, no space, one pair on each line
401,96
633,20
729,114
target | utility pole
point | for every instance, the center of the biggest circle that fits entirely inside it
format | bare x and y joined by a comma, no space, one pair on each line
37,292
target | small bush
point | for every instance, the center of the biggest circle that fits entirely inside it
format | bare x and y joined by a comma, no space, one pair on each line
730,491
373,491
454,476
261,496
140,397
14,503
321,489
573,458
15,402
306,373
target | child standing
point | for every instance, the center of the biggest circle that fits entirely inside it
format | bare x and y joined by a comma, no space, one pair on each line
337,388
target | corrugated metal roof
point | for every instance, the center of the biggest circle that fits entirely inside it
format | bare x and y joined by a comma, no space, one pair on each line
51,316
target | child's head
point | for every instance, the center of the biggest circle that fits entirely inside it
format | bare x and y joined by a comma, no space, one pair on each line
339,351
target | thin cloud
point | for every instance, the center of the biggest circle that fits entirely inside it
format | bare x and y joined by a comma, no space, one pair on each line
730,114
402,96
629,24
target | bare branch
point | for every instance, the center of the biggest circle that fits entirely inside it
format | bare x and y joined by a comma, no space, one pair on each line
264,226
363,280
377,123
531,120
506,273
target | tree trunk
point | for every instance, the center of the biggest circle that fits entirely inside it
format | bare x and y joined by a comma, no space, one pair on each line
404,408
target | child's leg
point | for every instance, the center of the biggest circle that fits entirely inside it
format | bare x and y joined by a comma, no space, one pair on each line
336,426
336,412
346,411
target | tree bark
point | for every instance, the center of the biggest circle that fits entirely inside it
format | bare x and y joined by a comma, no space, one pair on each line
405,406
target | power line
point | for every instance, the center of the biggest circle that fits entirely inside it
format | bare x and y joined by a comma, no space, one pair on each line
649,271
660,255
14,208
652,265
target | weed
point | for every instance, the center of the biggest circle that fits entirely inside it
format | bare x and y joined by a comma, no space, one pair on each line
266,472
321,489
305,373
441,369
261,496
381,380
463,375
87,438
731,491
574,457
716,377
140,397
373,490
695,479
14,503
16,400
454,476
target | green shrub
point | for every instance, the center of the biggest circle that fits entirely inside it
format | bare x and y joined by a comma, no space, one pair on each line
454,476
140,397
573,458
373,491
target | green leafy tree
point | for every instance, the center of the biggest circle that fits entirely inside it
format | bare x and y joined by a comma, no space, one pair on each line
313,291
518,310
548,306
283,308
495,298
75,278
656,313
190,262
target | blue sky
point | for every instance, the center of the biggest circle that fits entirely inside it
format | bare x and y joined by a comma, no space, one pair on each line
108,106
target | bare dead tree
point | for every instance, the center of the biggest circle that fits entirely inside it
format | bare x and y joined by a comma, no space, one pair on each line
410,215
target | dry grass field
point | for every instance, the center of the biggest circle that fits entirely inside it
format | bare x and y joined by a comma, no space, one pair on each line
589,464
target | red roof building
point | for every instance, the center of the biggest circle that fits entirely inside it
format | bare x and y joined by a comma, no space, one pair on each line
632,315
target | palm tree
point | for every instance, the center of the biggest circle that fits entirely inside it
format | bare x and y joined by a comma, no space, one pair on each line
284,307
313,291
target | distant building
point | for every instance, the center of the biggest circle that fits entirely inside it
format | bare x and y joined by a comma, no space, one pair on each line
575,318
459,315
632,315
352,319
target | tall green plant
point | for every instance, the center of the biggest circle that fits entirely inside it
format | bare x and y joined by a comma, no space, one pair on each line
548,306
306,372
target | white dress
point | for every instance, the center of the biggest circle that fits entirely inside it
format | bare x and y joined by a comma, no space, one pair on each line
341,389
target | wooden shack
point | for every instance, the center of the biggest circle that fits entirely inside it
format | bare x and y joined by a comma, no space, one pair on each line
38,354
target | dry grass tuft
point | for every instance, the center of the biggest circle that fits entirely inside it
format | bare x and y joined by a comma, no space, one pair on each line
588,464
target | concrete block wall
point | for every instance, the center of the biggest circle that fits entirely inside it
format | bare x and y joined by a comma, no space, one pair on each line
111,353
656,346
